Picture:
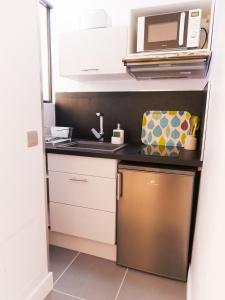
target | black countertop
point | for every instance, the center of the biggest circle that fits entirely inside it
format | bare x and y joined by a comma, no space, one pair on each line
138,153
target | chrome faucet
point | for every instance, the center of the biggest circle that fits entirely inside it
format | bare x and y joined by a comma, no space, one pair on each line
99,135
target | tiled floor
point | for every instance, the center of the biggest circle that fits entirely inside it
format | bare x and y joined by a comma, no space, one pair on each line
85,277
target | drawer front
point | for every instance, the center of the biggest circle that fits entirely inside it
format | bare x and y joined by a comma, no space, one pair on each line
83,222
82,165
82,190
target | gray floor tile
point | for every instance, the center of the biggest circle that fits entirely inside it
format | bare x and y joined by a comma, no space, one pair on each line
59,259
139,285
57,296
91,278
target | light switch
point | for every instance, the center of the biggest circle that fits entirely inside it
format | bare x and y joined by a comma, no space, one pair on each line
32,138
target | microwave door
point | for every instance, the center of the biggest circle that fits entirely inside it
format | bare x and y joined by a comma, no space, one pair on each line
165,31
181,29
140,34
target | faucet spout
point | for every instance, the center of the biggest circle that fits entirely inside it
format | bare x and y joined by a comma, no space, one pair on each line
99,135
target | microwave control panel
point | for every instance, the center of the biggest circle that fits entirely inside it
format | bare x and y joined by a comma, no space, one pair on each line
194,28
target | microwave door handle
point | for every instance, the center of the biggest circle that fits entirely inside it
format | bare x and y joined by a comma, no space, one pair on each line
181,30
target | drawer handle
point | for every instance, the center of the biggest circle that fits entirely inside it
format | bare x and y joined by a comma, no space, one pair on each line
90,69
119,186
80,180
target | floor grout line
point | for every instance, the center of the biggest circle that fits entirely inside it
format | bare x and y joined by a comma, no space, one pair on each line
66,294
121,284
66,268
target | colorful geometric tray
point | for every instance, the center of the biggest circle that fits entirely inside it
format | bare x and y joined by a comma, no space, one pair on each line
166,128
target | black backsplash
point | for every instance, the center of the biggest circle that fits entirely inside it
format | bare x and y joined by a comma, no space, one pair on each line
78,110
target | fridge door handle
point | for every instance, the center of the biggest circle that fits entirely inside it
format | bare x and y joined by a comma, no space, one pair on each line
119,186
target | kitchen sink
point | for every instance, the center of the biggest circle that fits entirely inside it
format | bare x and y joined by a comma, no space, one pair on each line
92,146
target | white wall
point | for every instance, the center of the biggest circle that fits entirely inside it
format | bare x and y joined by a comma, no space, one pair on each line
207,271
49,117
66,18
23,246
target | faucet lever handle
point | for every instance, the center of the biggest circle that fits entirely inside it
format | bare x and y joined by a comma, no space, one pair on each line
96,133
99,114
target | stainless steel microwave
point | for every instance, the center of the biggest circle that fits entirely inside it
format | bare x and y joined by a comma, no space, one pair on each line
169,31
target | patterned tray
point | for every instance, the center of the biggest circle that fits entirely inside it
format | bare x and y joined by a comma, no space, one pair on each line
167,128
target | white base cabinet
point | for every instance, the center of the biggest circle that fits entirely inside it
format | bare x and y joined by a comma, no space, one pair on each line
82,193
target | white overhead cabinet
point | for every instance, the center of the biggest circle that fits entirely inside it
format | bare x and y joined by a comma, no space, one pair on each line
93,53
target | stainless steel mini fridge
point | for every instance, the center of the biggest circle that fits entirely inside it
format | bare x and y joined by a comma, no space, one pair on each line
154,219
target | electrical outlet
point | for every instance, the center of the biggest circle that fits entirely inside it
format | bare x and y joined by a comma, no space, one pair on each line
32,138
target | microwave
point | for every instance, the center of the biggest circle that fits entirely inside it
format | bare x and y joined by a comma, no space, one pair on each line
180,30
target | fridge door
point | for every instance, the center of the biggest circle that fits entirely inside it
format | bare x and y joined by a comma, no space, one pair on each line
153,225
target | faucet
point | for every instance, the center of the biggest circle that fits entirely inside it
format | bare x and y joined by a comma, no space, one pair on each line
99,135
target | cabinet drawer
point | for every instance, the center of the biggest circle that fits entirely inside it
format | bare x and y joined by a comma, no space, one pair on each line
83,190
83,222
82,165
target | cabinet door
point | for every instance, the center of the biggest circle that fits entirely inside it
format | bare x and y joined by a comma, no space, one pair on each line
83,222
82,190
93,52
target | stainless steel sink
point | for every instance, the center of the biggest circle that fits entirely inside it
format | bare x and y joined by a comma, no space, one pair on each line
92,146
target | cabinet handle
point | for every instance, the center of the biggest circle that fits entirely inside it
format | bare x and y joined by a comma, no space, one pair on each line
119,186
90,69
80,180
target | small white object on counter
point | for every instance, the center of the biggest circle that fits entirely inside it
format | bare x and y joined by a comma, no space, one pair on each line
62,132
59,135
118,136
